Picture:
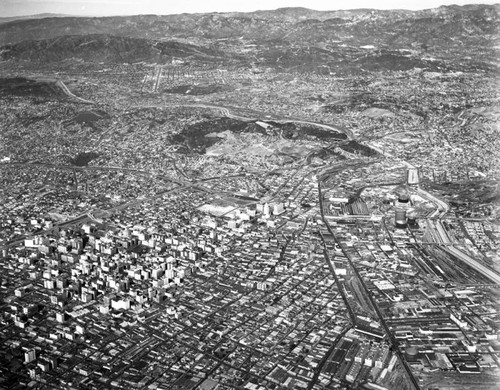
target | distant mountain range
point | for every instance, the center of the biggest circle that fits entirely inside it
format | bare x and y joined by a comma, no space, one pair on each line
37,16
285,38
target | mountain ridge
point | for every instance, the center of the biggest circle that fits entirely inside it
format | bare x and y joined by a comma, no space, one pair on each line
285,39
218,25
31,17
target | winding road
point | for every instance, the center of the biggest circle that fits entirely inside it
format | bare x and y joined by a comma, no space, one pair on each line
67,92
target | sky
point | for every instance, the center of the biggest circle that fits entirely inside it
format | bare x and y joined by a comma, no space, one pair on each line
10,8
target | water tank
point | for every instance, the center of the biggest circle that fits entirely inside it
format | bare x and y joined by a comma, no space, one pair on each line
411,217
411,354
403,198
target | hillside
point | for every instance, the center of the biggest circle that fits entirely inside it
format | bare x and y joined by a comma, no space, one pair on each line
102,48
465,23
287,39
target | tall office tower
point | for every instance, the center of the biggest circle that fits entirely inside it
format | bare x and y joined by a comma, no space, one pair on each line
30,355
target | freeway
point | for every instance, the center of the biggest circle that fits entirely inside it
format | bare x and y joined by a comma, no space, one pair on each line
67,92
473,263
441,207
60,84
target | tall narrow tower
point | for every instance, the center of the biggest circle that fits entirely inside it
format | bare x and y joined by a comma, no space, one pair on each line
400,218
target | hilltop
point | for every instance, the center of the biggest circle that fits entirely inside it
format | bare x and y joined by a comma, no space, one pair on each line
104,48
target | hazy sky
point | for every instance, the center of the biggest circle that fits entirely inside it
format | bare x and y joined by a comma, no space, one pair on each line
129,7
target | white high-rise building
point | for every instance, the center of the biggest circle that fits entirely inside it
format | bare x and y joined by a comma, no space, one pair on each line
30,355
412,177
